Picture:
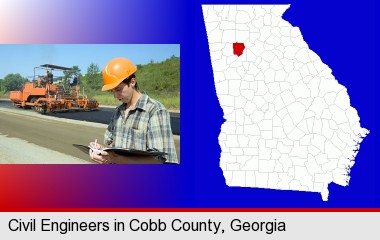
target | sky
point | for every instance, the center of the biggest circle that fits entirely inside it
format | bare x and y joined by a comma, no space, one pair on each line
22,58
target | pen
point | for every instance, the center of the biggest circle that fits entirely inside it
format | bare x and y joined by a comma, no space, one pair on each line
95,148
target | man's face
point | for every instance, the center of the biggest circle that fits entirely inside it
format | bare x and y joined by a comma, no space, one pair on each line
123,92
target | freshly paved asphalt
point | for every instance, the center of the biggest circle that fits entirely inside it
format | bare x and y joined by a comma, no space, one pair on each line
102,116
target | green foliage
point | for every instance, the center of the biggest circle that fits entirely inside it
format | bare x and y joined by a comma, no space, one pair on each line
106,98
92,81
13,82
160,79
75,70
170,102
68,73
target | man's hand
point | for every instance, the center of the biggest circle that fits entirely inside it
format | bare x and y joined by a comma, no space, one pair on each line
97,154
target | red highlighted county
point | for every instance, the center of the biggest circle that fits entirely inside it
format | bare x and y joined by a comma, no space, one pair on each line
238,48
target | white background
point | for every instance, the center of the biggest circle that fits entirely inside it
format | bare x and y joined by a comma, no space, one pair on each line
305,225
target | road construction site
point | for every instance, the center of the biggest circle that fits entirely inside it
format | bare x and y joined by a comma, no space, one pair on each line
28,137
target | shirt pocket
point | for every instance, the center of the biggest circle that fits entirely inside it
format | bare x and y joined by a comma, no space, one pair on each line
136,139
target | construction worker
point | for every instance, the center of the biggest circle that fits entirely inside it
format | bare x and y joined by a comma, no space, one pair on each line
48,78
73,80
140,122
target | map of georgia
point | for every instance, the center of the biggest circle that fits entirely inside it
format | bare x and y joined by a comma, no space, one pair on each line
289,123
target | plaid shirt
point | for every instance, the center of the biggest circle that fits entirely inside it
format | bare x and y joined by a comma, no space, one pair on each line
147,127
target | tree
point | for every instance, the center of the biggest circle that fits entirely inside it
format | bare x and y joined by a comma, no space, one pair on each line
68,73
93,78
174,57
13,82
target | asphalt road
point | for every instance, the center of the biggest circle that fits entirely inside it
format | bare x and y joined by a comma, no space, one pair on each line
102,116
30,137
27,129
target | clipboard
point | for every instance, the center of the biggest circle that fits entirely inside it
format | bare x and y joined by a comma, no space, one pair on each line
122,151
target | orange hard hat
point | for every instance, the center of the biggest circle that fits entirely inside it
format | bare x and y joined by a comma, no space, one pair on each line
116,71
